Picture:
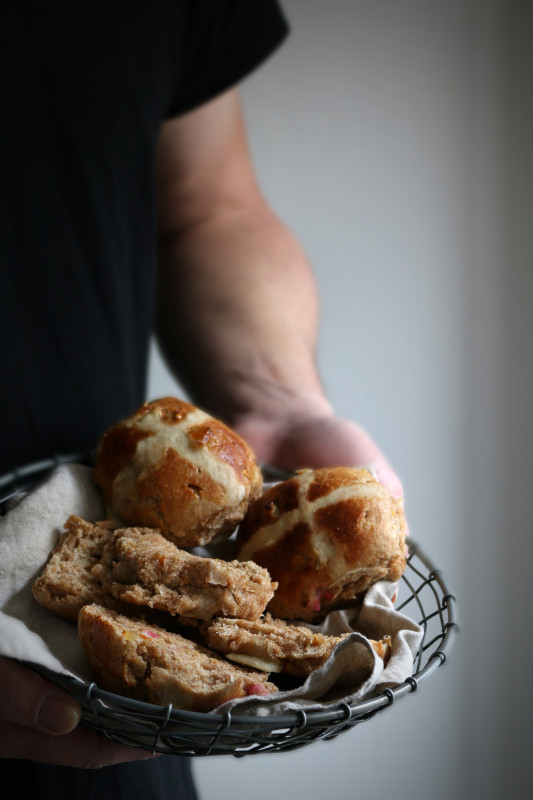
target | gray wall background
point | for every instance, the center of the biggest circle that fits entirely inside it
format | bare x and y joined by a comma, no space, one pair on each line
394,137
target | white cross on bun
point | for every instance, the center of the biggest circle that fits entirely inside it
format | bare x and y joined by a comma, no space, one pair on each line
173,467
325,536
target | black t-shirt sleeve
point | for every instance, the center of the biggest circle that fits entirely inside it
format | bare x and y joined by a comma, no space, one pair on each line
223,42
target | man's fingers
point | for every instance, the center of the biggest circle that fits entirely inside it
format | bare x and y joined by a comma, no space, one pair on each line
81,748
386,476
332,441
31,702
32,714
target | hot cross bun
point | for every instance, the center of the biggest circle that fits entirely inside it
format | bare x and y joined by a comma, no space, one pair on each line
325,536
173,467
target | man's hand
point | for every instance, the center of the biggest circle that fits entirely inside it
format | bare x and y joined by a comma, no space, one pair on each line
317,441
39,722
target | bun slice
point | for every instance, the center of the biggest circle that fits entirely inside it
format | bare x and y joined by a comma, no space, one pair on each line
268,644
141,567
67,582
138,567
148,663
274,645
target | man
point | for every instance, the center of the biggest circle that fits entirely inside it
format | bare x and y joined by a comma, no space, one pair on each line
113,145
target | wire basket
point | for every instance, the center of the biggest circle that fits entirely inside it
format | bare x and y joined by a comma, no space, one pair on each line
423,596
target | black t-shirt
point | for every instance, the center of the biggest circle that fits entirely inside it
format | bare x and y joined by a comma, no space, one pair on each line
86,86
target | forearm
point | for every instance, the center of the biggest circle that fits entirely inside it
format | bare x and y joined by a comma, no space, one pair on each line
237,311
237,316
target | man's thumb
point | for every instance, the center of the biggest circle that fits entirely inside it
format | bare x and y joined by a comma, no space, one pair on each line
28,700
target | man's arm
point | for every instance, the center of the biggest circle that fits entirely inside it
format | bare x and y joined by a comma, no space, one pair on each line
237,312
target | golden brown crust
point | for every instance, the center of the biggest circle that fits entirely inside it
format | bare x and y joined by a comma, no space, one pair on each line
325,536
146,662
173,467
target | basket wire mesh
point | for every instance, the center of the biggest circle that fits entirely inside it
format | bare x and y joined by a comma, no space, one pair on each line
423,596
